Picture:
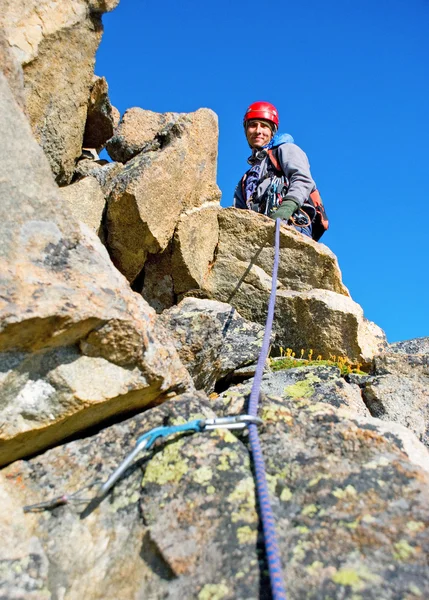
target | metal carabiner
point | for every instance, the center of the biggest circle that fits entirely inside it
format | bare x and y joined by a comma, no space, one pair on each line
144,442
235,422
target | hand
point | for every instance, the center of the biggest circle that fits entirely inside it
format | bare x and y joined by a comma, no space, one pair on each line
285,210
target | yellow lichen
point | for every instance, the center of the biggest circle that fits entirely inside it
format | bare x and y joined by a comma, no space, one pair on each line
310,510
244,497
213,591
167,466
202,475
247,535
343,492
302,389
286,494
403,550
415,526
355,578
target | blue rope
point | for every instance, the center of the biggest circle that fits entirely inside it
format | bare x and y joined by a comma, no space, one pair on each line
272,551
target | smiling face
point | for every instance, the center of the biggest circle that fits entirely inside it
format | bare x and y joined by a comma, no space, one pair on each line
258,133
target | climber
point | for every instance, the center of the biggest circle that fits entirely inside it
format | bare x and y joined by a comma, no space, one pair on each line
278,183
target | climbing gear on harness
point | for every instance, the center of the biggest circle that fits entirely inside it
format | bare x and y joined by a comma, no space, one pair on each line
285,210
264,111
145,441
313,206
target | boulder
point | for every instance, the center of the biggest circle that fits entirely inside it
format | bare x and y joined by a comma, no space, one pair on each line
56,44
399,391
350,509
86,202
137,129
102,117
173,174
313,307
183,267
415,346
212,339
68,319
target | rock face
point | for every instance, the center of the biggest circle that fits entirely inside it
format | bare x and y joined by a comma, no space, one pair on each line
56,44
173,174
86,202
212,339
351,511
136,130
80,352
102,117
12,70
415,346
313,308
399,391
68,321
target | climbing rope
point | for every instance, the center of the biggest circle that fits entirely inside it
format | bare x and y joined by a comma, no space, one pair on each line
272,550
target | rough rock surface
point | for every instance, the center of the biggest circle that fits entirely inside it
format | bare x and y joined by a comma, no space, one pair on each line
171,175
351,512
102,117
319,384
101,170
414,346
399,391
12,70
56,43
183,267
212,339
313,308
136,130
67,317
86,201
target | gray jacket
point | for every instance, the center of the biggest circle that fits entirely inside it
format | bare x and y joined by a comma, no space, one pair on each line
296,174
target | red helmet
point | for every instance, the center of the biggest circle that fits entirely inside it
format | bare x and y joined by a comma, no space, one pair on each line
262,110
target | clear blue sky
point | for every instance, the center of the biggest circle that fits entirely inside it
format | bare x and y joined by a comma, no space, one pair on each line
351,82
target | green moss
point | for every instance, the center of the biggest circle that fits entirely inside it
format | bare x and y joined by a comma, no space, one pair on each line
294,363
213,591
211,489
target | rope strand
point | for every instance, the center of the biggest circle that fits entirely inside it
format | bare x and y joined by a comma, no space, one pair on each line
272,550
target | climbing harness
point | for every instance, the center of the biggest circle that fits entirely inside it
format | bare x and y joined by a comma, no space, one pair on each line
145,441
250,420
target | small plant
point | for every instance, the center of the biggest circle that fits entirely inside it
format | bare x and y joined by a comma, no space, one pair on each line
287,360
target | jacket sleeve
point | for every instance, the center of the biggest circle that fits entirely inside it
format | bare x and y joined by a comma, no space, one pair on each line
238,197
295,166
